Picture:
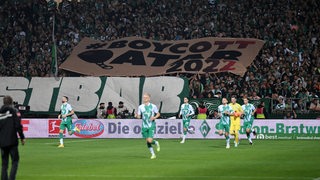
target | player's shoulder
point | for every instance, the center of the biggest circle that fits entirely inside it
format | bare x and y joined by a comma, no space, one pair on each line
153,105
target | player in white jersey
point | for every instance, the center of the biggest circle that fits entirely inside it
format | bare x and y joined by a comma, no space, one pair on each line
66,120
186,111
224,111
248,117
149,113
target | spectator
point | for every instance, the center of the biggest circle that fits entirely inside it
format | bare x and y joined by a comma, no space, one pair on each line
111,111
261,112
202,112
218,95
290,115
255,96
122,111
280,106
314,105
288,60
101,111
215,115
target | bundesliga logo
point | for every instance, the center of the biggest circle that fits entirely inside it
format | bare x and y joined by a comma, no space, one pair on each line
54,126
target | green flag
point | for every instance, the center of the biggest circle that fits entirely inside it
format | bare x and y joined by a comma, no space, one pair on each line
54,63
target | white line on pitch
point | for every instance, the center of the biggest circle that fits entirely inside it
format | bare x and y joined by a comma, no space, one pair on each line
77,141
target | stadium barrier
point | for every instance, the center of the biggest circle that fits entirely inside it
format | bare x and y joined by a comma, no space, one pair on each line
170,128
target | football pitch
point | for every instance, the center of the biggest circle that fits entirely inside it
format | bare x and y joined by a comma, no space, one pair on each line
129,159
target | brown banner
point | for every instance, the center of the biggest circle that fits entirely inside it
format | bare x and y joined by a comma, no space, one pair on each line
134,56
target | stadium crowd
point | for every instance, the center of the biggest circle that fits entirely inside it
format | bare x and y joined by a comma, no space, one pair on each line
288,66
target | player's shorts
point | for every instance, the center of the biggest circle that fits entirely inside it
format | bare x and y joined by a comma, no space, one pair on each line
186,123
148,132
247,125
224,127
66,124
234,124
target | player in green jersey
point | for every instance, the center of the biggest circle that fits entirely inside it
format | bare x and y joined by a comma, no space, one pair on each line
225,111
186,111
248,118
66,120
149,113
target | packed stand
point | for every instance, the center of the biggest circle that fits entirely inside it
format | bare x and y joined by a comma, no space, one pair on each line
288,66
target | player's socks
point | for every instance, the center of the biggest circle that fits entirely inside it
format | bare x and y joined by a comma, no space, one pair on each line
190,131
158,146
151,151
61,138
248,134
236,137
228,146
61,143
228,142
60,135
183,139
250,140
253,131
150,148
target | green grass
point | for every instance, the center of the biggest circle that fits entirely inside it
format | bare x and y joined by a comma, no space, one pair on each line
196,159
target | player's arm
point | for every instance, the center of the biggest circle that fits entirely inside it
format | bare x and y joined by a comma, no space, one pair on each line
18,125
155,117
157,114
230,112
138,114
69,114
180,112
242,114
219,112
240,109
59,116
191,110
253,112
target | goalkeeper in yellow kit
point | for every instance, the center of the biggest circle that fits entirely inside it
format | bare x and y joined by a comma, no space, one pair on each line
235,120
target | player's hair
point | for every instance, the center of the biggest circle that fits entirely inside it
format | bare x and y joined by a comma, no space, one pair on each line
66,97
147,94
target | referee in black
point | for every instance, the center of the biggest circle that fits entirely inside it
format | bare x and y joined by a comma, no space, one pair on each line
10,125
